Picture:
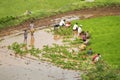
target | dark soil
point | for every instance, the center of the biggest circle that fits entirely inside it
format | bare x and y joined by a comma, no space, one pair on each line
94,12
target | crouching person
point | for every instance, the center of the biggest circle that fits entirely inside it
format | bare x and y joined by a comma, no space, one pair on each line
96,58
62,23
56,26
82,47
87,42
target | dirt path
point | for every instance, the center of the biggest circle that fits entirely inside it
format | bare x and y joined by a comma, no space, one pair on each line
85,13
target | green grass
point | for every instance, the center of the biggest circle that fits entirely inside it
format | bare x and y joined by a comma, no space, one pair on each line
15,7
43,8
105,37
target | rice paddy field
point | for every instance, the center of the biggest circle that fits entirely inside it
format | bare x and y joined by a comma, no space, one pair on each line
105,37
104,32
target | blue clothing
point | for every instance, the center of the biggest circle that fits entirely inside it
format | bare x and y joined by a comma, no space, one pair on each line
90,52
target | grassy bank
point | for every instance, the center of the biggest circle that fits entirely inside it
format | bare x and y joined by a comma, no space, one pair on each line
11,12
105,37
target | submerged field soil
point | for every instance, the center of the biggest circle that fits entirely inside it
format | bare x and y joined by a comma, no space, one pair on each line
29,67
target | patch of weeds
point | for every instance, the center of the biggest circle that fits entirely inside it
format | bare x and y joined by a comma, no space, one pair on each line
62,31
66,40
18,48
61,56
76,41
34,51
21,49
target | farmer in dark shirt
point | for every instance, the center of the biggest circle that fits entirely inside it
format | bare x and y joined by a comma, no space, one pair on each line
25,36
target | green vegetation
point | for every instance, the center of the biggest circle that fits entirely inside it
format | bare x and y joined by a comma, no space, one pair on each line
12,12
63,57
102,71
18,48
21,50
105,37
104,40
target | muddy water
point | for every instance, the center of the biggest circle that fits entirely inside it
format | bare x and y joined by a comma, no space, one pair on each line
41,38
12,68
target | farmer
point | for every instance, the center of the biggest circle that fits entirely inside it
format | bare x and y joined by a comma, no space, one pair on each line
62,23
87,41
84,37
68,24
96,58
25,36
32,40
90,51
25,39
82,47
32,30
32,27
75,28
87,34
79,30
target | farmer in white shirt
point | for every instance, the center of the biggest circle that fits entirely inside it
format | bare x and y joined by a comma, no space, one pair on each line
79,30
31,25
57,26
62,22
75,27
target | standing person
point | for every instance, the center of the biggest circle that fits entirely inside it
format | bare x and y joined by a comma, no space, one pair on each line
79,30
96,58
32,40
32,33
31,27
25,36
